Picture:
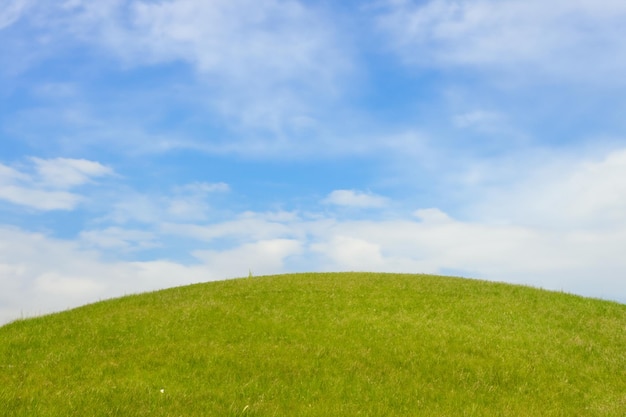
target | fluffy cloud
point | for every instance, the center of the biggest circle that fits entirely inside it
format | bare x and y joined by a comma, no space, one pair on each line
573,242
349,253
68,276
261,257
573,192
40,274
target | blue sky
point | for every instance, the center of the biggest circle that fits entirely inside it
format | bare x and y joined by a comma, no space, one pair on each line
147,144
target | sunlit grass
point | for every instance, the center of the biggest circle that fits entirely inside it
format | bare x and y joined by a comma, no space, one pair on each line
322,345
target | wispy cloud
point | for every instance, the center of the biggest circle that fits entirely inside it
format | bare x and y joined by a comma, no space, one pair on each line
573,40
189,202
245,227
287,43
11,12
68,173
243,77
39,199
117,238
483,120
47,188
353,198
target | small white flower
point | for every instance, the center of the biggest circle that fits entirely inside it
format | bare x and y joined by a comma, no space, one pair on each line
162,390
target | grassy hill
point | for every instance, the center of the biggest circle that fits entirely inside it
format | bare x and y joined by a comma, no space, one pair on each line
349,344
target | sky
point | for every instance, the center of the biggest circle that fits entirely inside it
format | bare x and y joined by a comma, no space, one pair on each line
148,144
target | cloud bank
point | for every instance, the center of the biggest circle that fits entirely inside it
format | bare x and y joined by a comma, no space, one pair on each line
573,243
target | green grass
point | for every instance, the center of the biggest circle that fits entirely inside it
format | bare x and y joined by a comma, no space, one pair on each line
350,344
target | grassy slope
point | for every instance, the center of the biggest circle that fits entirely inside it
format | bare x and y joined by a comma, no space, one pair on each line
322,345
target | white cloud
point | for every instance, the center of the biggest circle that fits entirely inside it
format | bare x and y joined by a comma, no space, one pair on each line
190,201
349,253
288,46
48,187
352,198
570,192
261,74
56,285
249,226
187,203
262,257
137,207
203,188
561,226
66,173
479,119
260,63
118,238
9,175
432,216
278,37
40,199
584,263
39,274
11,11
562,38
